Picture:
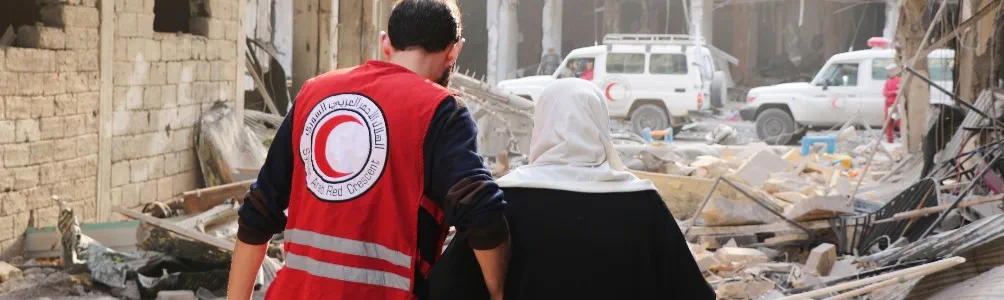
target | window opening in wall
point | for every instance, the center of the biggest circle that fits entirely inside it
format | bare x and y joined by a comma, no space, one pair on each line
16,13
172,16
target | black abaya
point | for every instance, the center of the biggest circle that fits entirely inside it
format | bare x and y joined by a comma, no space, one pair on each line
568,245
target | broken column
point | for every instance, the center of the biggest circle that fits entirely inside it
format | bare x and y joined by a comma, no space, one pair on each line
551,23
503,31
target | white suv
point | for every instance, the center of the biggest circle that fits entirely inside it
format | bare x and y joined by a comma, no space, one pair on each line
849,85
652,80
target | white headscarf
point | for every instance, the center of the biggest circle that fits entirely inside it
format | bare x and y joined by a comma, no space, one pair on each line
570,147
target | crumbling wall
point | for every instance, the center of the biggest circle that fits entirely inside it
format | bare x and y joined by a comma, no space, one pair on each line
163,83
49,93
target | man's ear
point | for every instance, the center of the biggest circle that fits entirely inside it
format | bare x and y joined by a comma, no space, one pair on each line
385,45
451,57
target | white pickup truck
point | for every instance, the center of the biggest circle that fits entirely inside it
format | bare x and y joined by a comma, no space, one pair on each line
653,80
849,85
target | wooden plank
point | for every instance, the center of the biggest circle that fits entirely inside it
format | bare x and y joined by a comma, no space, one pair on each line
936,209
200,200
172,227
45,242
751,229
103,182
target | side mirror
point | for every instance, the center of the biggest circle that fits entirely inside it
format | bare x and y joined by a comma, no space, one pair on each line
826,84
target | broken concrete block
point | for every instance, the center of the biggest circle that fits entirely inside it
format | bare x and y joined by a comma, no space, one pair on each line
818,207
176,295
782,182
745,256
821,259
805,281
758,168
8,272
790,196
706,260
842,268
744,289
786,239
725,211
709,167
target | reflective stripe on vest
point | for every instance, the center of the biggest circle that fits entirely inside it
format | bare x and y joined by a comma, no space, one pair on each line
346,273
347,246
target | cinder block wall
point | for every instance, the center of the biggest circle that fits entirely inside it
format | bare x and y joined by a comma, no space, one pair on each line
50,93
163,84
49,88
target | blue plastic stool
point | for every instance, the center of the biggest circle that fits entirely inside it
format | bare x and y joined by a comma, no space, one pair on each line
646,134
830,140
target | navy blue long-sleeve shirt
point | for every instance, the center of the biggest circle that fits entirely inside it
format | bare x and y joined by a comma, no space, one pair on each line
455,179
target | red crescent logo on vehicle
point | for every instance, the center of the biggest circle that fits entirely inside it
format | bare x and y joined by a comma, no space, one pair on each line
606,91
323,133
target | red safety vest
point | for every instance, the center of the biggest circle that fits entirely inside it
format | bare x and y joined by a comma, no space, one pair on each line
358,185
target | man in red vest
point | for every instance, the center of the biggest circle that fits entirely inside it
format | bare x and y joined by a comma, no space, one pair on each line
374,164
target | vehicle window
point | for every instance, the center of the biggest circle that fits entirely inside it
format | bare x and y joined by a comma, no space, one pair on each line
667,64
841,75
879,66
625,63
940,68
578,67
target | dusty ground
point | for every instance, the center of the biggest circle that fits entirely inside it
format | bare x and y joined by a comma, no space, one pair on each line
50,283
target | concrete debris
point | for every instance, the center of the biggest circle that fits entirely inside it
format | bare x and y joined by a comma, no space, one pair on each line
758,168
176,295
746,288
709,167
8,272
819,207
743,256
821,259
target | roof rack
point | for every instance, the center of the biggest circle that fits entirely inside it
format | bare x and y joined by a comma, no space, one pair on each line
648,39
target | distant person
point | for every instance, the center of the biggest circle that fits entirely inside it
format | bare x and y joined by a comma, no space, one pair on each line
890,91
549,62
588,73
570,70
582,226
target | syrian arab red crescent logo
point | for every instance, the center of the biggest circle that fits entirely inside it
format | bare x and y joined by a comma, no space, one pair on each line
616,88
343,147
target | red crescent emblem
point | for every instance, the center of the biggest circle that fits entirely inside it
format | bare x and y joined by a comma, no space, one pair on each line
606,91
322,144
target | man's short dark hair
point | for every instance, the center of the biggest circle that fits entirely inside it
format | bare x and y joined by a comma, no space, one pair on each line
428,24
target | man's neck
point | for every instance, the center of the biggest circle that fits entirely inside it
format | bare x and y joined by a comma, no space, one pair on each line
421,63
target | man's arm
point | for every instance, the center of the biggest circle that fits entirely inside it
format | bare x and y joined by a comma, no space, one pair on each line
263,213
458,180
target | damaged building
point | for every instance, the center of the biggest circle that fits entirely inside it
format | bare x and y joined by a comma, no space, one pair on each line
101,101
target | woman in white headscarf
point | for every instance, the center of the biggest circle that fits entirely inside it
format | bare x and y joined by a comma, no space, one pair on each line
582,226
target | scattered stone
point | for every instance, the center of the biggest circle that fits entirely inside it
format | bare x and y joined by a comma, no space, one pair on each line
786,239
805,281
176,295
790,196
8,272
743,256
758,168
818,207
821,259
707,166
706,260
744,289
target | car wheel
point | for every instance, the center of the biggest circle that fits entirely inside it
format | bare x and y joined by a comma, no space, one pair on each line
649,116
776,127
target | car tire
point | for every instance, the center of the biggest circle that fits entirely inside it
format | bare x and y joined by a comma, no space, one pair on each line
649,116
776,127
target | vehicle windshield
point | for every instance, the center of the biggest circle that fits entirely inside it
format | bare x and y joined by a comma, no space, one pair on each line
577,67
839,74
